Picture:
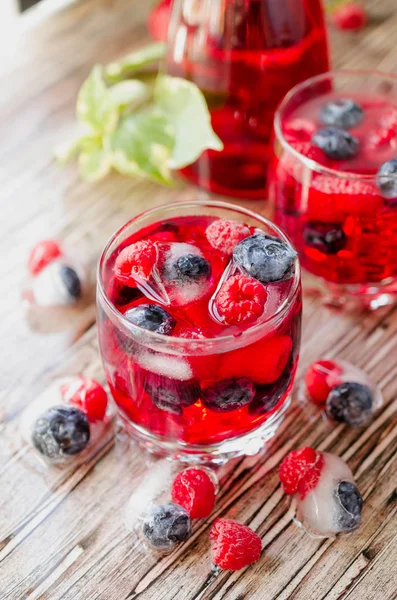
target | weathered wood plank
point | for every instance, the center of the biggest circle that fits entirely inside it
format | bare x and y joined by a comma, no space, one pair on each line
62,533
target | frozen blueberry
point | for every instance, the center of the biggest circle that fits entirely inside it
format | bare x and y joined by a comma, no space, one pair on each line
328,238
265,257
191,268
269,395
71,281
166,525
229,394
350,403
171,395
387,180
351,502
61,431
342,112
336,143
151,317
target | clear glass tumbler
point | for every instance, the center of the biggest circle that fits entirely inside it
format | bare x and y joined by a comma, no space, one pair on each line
340,211
166,386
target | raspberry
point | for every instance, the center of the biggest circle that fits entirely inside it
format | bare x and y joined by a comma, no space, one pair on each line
263,362
158,21
224,235
299,130
234,546
351,17
42,254
88,395
320,378
194,490
136,260
301,470
241,299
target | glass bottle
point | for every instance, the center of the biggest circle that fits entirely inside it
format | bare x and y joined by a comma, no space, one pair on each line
244,55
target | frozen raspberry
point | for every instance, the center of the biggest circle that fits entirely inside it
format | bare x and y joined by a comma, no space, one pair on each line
224,235
194,490
136,260
88,395
241,299
234,546
301,470
42,254
320,378
351,16
158,21
299,130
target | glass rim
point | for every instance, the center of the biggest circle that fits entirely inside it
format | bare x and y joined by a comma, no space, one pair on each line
306,161
201,342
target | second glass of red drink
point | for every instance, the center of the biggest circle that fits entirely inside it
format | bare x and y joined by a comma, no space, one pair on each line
199,312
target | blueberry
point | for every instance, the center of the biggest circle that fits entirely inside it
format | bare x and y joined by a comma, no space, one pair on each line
387,180
342,112
71,281
336,143
229,394
61,431
350,403
151,317
328,238
265,257
269,395
351,502
192,268
166,525
171,395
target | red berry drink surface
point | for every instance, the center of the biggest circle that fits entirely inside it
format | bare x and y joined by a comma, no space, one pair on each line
251,58
342,220
195,491
179,279
234,546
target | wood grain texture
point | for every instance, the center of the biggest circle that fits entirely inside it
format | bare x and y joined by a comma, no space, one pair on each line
62,532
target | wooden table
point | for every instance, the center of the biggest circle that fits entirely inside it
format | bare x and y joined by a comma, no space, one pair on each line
61,531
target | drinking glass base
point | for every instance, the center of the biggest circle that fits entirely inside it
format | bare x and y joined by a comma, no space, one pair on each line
218,453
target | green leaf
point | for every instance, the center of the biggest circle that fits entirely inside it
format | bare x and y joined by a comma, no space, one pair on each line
95,107
136,61
94,165
184,106
129,92
142,144
68,150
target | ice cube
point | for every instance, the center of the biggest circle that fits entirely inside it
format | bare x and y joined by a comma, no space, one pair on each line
334,505
167,365
58,284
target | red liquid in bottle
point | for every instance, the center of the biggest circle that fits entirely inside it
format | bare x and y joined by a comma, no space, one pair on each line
244,56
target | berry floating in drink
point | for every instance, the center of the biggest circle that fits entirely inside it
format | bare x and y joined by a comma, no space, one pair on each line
344,392
327,499
68,418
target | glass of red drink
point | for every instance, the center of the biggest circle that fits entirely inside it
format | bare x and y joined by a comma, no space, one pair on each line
244,56
333,182
199,311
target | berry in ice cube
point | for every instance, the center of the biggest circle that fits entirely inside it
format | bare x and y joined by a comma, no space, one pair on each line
135,262
241,299
331,504
61,431
351,403
88,395
151,317
57,284
195,491
224,235
165,526
229,394
171,395
42,254
320,378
